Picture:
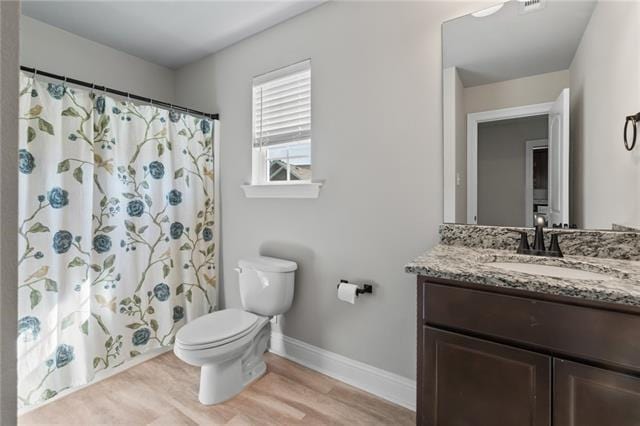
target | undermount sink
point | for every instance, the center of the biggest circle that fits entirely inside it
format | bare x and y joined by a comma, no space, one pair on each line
551,271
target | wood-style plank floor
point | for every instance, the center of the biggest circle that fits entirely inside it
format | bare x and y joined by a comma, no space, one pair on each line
164,391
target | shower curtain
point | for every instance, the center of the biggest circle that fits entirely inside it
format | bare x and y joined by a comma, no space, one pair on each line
117,232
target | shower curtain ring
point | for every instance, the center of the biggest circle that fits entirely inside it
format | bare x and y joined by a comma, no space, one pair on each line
35,72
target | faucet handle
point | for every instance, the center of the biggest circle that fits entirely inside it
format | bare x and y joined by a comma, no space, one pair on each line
554,246
524,240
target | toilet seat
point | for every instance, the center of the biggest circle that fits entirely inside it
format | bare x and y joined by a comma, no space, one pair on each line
216,329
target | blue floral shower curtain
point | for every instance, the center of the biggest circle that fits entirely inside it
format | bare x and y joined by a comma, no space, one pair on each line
117,233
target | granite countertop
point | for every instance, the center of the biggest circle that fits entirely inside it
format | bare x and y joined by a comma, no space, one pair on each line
473,265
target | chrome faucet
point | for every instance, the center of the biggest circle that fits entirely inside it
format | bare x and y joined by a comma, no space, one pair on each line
538,242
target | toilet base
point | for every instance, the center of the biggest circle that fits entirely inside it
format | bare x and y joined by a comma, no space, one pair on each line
219,382
222,381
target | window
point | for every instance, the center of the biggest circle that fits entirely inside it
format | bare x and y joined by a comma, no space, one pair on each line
282,126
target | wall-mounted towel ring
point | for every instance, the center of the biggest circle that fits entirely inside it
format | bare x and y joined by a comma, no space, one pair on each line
633,119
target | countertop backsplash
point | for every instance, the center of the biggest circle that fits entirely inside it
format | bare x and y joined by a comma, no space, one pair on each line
574,242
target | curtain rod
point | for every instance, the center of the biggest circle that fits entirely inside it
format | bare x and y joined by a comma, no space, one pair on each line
117,92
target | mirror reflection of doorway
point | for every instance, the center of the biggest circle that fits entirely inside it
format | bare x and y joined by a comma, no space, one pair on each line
536,180
496,150
503,176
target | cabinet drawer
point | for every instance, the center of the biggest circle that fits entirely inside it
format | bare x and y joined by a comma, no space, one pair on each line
594,334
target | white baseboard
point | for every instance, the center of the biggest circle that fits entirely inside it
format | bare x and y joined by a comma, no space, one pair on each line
386,385
101,375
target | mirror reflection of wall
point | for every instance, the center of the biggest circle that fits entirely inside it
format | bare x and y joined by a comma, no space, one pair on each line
534,101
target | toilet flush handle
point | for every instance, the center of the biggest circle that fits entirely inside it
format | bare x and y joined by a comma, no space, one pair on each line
238,270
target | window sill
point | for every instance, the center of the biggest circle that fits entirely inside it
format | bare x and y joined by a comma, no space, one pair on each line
288,190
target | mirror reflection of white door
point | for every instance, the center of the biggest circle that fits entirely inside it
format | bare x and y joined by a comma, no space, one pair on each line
559,161
532,198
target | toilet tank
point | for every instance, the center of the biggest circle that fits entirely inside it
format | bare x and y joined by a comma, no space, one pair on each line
266,284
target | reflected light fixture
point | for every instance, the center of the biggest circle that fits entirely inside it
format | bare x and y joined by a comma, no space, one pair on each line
488,11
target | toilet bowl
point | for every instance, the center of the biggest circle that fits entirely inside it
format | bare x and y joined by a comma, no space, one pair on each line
228,345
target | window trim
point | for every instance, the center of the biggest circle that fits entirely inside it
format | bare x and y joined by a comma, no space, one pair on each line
293,189
260,186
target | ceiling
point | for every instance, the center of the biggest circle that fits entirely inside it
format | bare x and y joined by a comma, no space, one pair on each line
169,33
509,44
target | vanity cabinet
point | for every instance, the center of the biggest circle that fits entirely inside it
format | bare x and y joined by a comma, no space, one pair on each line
493,356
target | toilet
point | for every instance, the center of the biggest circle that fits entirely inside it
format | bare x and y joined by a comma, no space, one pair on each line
228,345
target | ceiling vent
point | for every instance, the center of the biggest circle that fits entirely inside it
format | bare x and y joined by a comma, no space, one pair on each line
529,6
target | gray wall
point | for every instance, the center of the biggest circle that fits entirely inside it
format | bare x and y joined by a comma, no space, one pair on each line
377,145
60,52
605,87
9,30
501,168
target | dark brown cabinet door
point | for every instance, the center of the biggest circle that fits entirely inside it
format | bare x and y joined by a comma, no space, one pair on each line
589,396
472,382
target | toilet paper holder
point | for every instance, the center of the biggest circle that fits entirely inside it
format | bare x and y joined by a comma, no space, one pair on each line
366,288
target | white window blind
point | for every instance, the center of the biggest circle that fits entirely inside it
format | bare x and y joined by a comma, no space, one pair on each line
282,105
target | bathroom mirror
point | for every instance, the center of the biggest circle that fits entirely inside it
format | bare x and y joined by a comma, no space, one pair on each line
534,105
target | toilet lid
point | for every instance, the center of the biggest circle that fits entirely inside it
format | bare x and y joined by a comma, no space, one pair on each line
267,264
216,326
